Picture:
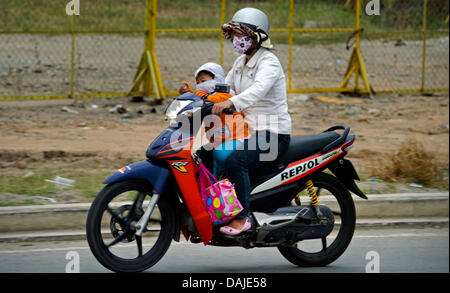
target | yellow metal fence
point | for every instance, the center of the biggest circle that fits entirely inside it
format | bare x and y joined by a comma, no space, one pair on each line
407,49
356,53
300,62
47,54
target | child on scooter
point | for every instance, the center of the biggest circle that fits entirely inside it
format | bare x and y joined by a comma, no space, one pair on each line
228,136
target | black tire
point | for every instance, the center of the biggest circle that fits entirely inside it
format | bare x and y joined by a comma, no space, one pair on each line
95,239
345,234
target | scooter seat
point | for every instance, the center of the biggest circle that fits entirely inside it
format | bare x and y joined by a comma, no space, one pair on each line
304,146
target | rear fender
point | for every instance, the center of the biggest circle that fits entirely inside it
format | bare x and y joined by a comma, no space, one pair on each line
346,173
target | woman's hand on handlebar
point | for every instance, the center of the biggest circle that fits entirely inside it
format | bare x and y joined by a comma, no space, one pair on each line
219,107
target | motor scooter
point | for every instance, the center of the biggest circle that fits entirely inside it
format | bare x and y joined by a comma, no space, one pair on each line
300,204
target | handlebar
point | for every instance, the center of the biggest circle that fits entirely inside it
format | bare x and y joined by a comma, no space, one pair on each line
207,109
228,111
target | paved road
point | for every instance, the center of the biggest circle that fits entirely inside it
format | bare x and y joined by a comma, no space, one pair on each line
400,251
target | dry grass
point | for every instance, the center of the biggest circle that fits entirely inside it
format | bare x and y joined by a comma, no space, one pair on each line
411,163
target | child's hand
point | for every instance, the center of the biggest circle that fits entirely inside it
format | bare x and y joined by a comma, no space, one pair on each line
184,88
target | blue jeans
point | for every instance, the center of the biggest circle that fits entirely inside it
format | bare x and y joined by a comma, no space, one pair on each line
257,152
221,154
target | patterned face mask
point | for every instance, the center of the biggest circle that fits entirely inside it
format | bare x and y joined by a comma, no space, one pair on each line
241,45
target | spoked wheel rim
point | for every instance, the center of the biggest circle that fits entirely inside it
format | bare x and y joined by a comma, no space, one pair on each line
119,239
113,220
343,221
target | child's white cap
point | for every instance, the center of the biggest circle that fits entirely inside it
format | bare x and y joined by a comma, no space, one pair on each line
215,69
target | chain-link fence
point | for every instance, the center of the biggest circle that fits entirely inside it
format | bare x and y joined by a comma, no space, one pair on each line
323,45
314,40
310,46
45,53
406,47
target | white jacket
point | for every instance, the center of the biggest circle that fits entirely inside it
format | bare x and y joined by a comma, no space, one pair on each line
260,87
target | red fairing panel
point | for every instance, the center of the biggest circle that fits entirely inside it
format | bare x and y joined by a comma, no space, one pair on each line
184,170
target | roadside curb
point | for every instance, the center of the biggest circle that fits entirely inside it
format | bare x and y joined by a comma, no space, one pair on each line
59,217
76,235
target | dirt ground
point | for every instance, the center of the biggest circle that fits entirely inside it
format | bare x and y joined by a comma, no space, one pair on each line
84,136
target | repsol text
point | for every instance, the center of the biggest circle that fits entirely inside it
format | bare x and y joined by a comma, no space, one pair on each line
302,168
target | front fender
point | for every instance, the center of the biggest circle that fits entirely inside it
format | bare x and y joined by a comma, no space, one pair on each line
157,174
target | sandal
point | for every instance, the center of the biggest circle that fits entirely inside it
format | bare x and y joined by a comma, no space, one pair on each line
232,231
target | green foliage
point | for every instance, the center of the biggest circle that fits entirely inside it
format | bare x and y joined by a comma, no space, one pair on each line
44,15
86,185
31,185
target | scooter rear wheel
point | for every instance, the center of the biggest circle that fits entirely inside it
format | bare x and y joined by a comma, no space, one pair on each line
110,224
344,209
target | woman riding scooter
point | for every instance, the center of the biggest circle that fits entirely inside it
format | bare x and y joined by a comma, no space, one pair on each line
259,82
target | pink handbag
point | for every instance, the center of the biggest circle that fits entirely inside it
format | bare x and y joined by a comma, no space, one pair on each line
219,198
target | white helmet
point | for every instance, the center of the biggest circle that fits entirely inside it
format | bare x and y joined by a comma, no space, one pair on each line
215,69
254,19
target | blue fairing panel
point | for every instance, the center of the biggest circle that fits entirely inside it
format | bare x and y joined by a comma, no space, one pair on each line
188,97
156,174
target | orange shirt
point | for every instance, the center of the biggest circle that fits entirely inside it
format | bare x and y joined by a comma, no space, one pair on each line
237,128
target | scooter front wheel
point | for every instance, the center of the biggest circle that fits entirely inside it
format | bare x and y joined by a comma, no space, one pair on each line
112,223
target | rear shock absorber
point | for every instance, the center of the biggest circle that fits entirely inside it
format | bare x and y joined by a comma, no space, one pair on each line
312,193
314,199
